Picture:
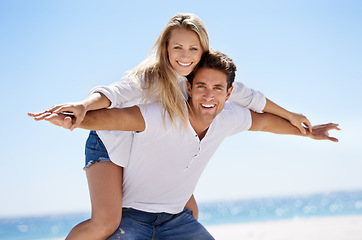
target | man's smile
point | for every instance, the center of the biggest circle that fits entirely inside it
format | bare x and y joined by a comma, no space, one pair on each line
208,105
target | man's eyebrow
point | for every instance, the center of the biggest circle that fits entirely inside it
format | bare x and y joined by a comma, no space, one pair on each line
200,83
216,85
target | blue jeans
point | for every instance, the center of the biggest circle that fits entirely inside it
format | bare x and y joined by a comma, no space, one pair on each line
139,225
95,151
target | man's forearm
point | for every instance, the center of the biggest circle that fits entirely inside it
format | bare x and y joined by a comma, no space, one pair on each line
125,119
267,122
99,120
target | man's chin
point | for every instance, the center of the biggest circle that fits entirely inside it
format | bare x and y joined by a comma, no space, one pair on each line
208,117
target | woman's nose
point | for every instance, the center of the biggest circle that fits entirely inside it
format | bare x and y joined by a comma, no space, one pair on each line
184,53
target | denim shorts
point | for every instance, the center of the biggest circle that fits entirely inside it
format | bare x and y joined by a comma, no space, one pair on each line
95,151
140,225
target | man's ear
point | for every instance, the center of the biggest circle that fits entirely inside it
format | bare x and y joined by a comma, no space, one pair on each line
229,93
189,87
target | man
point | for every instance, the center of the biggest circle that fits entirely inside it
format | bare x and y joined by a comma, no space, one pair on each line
168,159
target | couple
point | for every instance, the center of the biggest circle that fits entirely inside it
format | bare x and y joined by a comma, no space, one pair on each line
168,156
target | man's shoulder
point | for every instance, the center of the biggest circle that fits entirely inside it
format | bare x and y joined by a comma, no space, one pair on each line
152,107
154,115
152,110
237,117
232,108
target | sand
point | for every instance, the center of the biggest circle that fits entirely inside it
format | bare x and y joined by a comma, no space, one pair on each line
324,228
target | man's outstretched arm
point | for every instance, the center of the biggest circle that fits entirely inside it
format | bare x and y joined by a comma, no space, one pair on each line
267,122
124,119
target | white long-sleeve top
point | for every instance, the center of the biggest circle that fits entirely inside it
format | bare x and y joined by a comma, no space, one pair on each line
126,93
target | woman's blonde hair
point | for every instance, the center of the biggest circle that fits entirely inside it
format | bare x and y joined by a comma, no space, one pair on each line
157,76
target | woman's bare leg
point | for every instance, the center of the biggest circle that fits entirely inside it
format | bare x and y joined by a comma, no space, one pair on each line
105,189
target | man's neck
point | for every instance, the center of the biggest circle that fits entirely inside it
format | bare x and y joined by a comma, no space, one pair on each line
200,126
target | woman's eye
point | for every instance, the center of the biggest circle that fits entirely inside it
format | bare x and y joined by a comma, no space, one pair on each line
194,49
177,47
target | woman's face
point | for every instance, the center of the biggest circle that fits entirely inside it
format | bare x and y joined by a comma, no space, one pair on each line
184,51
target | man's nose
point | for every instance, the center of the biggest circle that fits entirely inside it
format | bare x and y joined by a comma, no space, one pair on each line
208,95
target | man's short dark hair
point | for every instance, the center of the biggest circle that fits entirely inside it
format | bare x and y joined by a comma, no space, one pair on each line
218,61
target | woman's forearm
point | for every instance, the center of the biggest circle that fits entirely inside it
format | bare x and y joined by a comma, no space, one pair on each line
96,101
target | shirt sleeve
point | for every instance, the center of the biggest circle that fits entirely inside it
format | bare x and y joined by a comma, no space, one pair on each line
234,119
243,118
120,92
157,124
247,97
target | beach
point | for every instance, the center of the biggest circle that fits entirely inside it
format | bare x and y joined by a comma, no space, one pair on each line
317,228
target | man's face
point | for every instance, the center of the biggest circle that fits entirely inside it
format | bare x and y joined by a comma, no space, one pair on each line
208,94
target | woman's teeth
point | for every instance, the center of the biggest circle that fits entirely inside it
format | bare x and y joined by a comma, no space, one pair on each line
184,64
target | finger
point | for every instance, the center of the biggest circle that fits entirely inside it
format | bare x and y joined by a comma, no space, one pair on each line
64,109
302,129
333,139
335,128
76,124
42,116
35,114
50,116
67,123
54,108
30,114
308,125
331,126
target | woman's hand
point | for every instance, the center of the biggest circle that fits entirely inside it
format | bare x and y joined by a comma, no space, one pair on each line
76,109
300,122
58,119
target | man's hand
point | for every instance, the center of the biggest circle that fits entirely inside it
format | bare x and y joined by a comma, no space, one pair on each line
121,119
321,132
58,119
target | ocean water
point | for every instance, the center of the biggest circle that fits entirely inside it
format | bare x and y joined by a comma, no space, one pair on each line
248,210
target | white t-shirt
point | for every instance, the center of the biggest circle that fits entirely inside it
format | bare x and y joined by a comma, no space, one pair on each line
126,93
166,162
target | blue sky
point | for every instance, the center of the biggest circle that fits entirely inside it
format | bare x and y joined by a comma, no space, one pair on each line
303,55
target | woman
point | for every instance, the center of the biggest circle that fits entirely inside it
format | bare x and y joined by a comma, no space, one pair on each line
161,77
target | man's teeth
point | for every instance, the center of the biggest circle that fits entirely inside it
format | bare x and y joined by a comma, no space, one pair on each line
207,106
184,64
